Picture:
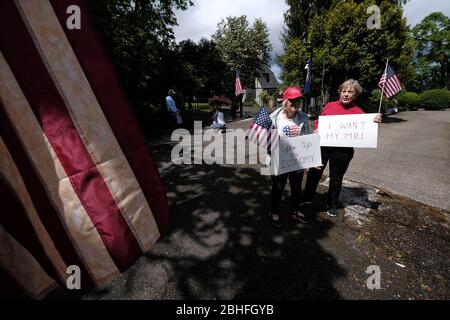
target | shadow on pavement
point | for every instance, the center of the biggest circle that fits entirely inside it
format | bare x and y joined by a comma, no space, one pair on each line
390,119
221,245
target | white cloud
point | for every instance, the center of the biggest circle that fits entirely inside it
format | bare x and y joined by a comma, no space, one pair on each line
416,10
201,20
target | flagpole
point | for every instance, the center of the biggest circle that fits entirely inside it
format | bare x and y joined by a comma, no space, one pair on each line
384,83
321,88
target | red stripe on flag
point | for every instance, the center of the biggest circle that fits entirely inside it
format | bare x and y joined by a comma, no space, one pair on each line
54,118
44,207
112,99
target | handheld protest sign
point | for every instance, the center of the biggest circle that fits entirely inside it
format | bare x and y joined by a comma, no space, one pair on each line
355,130
297,153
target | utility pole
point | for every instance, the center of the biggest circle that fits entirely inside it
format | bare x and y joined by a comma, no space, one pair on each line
310,49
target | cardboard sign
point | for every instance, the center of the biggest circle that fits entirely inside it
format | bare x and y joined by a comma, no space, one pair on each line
355,130
296,153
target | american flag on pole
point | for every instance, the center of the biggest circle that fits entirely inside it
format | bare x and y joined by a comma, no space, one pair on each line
261,130
238,85
78,185
390,81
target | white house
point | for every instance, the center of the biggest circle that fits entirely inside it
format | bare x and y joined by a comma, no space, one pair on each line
266,81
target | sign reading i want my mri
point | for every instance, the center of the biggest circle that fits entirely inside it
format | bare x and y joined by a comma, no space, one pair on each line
355,130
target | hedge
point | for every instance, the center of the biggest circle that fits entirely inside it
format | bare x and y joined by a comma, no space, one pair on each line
408,101
435,99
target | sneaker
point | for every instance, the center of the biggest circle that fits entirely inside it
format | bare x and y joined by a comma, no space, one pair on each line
275,223
302,217
332,212
304,204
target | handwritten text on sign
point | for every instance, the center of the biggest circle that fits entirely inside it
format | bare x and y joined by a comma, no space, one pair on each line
298,153
355,130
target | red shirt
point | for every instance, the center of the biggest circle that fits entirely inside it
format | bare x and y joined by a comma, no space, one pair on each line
336,107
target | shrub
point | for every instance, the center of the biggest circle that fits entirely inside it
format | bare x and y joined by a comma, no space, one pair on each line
373,102
408,101
264,97
250,103
435,99
219,101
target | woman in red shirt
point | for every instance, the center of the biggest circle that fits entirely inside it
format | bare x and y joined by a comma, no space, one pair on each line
339,157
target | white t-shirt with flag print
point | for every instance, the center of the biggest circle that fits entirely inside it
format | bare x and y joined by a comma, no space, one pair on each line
288,127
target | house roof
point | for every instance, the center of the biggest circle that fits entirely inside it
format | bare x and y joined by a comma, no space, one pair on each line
262,79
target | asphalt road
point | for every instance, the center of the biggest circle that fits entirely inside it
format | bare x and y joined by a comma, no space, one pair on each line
220,245
412,158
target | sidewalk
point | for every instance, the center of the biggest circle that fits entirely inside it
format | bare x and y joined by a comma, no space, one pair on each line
220,244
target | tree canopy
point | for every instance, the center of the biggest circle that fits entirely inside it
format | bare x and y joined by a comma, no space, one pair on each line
242,46
351,50
432,36
200,69
138,36
301,12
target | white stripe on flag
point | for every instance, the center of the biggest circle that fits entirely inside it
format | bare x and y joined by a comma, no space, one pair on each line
89,119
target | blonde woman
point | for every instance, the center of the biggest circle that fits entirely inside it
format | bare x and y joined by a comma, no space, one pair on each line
289,121
339,157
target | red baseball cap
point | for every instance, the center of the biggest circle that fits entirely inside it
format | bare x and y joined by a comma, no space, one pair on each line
292,93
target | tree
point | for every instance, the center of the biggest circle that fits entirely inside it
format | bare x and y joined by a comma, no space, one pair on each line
301,12
243,47
351,49
294,57
138,36
201,71
298,16
432,36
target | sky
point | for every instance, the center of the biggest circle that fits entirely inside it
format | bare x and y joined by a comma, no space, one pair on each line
200,20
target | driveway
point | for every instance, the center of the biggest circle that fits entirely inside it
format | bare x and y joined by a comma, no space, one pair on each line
412,158
221,246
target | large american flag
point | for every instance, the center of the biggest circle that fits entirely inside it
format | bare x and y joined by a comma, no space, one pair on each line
238,85
261,130
78,185
390,81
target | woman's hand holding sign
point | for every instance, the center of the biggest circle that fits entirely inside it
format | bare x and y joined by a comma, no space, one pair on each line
377,118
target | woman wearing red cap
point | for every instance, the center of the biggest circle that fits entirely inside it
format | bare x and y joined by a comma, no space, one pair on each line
339,157
289,121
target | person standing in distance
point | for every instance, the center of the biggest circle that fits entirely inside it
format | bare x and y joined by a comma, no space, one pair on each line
173,110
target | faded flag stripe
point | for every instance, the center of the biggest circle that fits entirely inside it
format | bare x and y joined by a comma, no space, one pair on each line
21,220
44,207
14,219
51,112
19,263
50,172
90,122
63,209
100,74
